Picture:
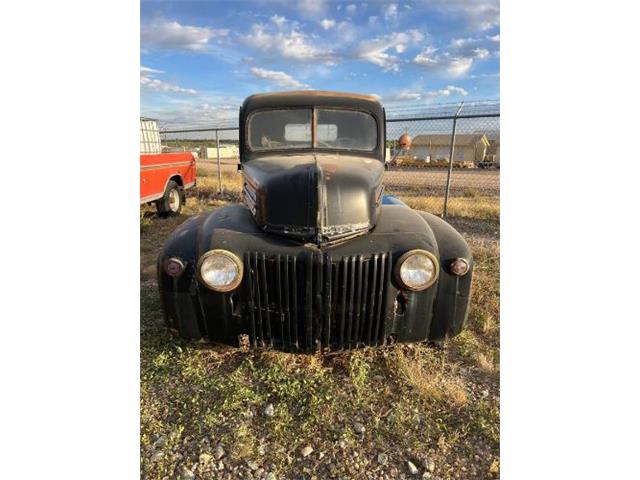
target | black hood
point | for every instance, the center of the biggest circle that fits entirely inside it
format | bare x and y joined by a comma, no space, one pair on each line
315,197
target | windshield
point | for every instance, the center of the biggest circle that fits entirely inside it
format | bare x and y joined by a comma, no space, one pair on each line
291,129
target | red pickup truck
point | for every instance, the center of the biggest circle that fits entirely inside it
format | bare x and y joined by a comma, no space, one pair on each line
163,176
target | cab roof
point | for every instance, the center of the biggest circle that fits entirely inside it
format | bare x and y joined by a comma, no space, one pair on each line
321,98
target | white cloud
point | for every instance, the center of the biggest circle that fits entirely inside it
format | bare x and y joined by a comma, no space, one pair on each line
461,42
148,81
148,71
375,50
451,89
458,66
390,12
453,66
477,14
346,32
278,78
293,45
454,63
327,23
278,20
475,48
311,8
424,95
162,34
351,8
480,53
221,111
468,45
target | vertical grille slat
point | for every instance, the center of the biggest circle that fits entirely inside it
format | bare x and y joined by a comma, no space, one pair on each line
363,302
258,298
356,326
352,279
308,303
250,296
280,313
323,303
294,291
318,292
343,305
287,304
381,272
265,297
327,302
372,299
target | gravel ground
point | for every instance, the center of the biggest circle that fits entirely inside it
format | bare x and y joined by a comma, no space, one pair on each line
405,411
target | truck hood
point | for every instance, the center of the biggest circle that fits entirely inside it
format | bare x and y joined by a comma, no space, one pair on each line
316,197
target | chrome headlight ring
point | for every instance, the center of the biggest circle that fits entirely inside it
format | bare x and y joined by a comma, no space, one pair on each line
417,270
220,270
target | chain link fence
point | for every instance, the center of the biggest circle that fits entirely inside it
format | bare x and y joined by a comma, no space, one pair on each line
452,168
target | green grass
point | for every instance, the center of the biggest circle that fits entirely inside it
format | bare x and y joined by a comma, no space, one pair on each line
414,401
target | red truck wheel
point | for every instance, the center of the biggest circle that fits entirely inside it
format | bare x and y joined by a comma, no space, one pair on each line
171,202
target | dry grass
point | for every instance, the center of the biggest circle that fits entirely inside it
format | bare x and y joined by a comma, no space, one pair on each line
485,208
413,400
432,384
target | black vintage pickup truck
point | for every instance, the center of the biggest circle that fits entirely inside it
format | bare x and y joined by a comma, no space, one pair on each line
316,258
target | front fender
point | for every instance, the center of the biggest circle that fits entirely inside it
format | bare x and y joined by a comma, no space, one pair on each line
452,301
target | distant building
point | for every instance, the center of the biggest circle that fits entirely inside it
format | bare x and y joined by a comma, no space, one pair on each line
493,152
226,151
432,147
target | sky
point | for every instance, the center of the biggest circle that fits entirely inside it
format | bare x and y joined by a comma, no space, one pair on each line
200,59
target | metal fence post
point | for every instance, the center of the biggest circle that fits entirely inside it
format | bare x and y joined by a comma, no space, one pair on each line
451,151
219,173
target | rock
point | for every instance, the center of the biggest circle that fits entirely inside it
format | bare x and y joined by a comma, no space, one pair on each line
220,466
321,455
484,393
430,465
186,474
383,458
270,476
160,442
342,444
218,453
426,476
269,410
157,456
358,428
252,465
204,459
306,451
412,468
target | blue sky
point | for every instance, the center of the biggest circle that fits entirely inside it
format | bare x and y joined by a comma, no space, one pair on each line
200,59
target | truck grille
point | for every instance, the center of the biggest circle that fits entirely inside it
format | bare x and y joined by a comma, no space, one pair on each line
313,301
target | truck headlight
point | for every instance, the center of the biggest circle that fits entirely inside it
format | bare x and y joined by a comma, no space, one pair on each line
220,270
417,270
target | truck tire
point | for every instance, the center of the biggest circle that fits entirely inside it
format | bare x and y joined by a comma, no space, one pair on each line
171,202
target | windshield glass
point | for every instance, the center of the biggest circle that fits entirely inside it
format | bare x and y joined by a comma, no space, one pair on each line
291,129
346,130
278,129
